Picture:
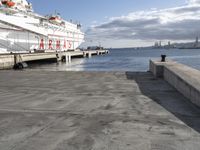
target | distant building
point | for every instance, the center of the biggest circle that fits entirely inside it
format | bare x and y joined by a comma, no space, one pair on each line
169,44
196,44
197,40
160,44
156,44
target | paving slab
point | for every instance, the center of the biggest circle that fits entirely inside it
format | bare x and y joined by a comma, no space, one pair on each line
47,110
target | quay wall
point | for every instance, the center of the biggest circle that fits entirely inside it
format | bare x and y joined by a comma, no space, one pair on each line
183,78
7,61
41,56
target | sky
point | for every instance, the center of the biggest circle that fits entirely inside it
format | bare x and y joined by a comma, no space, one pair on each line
128,23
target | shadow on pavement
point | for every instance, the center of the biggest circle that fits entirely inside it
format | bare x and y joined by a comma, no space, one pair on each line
168,97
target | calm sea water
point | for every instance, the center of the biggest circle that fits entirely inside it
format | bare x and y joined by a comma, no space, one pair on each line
124,60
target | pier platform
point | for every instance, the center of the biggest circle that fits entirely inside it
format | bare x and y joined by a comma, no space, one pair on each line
7,61
184,78
43,110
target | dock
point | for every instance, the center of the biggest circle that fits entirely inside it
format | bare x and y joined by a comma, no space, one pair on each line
7,61
95,110
183,78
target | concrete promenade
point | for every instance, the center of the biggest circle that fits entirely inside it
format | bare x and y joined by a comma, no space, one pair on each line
94,111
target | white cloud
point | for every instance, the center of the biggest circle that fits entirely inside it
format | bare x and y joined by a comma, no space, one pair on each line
193,1
179,23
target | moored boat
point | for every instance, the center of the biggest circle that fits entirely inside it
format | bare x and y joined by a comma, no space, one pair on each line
23,30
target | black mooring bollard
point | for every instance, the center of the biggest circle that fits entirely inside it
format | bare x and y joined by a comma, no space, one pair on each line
163,57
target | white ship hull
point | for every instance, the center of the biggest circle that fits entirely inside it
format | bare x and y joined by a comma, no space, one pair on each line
29,31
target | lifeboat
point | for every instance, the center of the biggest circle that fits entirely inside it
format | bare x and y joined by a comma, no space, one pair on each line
55,20
10,4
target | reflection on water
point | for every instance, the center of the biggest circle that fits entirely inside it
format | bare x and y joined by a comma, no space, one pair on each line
124,60
76,65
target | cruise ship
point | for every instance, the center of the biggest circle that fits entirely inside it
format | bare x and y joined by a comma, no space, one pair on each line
22,30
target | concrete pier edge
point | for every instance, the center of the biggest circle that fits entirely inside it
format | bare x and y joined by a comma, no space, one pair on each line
7,61
183,78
